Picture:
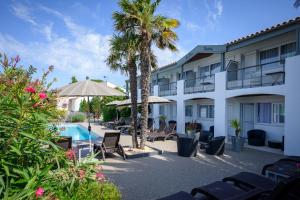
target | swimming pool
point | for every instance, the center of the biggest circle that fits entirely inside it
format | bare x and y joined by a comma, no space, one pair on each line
77,132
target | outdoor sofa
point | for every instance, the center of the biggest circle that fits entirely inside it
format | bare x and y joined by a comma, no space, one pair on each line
256,137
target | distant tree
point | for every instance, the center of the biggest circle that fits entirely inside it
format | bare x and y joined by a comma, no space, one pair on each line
74,79
83,107
96,107
97,80
297,3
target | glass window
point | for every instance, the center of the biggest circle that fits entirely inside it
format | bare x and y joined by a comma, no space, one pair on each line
264,112
188,110
205,111
203,71
211,112
288,50
278,113
161,110
214,68
270,55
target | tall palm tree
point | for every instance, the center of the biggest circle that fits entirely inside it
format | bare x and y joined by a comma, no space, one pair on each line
140,16
123,57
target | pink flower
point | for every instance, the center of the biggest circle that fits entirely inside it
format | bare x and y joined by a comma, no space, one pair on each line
17,58
43,95
30,89
99,168
70,154
100,176
39,192
81,174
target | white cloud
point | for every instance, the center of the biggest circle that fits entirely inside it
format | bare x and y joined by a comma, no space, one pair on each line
23,12
82,55
215,11
192,26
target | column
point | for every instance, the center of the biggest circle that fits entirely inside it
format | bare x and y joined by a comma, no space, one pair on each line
156,108
292,108
180,107
220,121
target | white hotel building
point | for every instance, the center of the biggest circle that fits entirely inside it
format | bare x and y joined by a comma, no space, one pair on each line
255,79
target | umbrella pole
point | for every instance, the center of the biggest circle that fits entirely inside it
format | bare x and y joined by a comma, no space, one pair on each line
89,126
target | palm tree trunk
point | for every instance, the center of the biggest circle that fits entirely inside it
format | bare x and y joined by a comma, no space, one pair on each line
133,95
145,82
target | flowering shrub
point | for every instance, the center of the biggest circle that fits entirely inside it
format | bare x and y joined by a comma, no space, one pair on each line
31,165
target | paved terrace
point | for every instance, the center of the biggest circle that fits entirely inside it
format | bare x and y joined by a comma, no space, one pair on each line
158,176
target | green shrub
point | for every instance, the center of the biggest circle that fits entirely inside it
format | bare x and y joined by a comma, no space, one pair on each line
109,113
95,191
79,117
125,112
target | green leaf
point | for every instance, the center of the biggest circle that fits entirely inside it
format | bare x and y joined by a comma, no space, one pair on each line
6,169
17,151
28,135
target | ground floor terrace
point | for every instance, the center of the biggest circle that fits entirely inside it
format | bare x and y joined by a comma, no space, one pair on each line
161,175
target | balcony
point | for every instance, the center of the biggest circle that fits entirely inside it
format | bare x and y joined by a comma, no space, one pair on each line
201,84
268,74
167,89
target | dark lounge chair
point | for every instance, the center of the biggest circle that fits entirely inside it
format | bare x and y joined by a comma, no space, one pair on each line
172,123
198,126
65,142
110,144
256,137
215,146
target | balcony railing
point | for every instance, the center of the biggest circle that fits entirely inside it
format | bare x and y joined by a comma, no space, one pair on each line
201,84
167,89
268,74
151,90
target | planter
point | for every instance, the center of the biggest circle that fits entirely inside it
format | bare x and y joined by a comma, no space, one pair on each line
237,143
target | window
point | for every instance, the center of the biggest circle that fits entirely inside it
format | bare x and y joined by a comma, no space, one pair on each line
161,110
214,68
205,111
264,112
270,55
189,111
278,113
204,71
288,50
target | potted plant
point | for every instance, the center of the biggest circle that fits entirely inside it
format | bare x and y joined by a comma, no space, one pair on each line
191,129
237,141
162,119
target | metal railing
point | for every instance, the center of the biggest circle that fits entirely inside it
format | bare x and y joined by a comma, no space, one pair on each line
200,84
167,89
268,74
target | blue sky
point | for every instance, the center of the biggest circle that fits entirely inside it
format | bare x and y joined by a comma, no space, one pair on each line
74,35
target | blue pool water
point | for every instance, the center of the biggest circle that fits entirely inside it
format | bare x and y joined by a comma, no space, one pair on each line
77,132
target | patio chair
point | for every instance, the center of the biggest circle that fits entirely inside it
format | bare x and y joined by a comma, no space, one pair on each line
256,137
165,134
216,146
65,142
110,144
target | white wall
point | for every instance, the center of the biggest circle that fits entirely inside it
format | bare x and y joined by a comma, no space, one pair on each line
292,107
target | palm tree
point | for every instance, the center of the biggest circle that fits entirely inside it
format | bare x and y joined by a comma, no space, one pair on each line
297,3
139,15
123,57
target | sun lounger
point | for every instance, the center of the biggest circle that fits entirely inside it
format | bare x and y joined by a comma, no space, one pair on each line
110,144
165,134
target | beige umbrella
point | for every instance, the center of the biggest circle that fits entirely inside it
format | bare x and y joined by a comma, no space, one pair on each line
87,89
151,100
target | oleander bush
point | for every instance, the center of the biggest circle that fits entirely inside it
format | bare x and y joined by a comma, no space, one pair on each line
31,165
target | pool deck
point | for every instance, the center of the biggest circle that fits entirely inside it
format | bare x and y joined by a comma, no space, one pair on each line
157,176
